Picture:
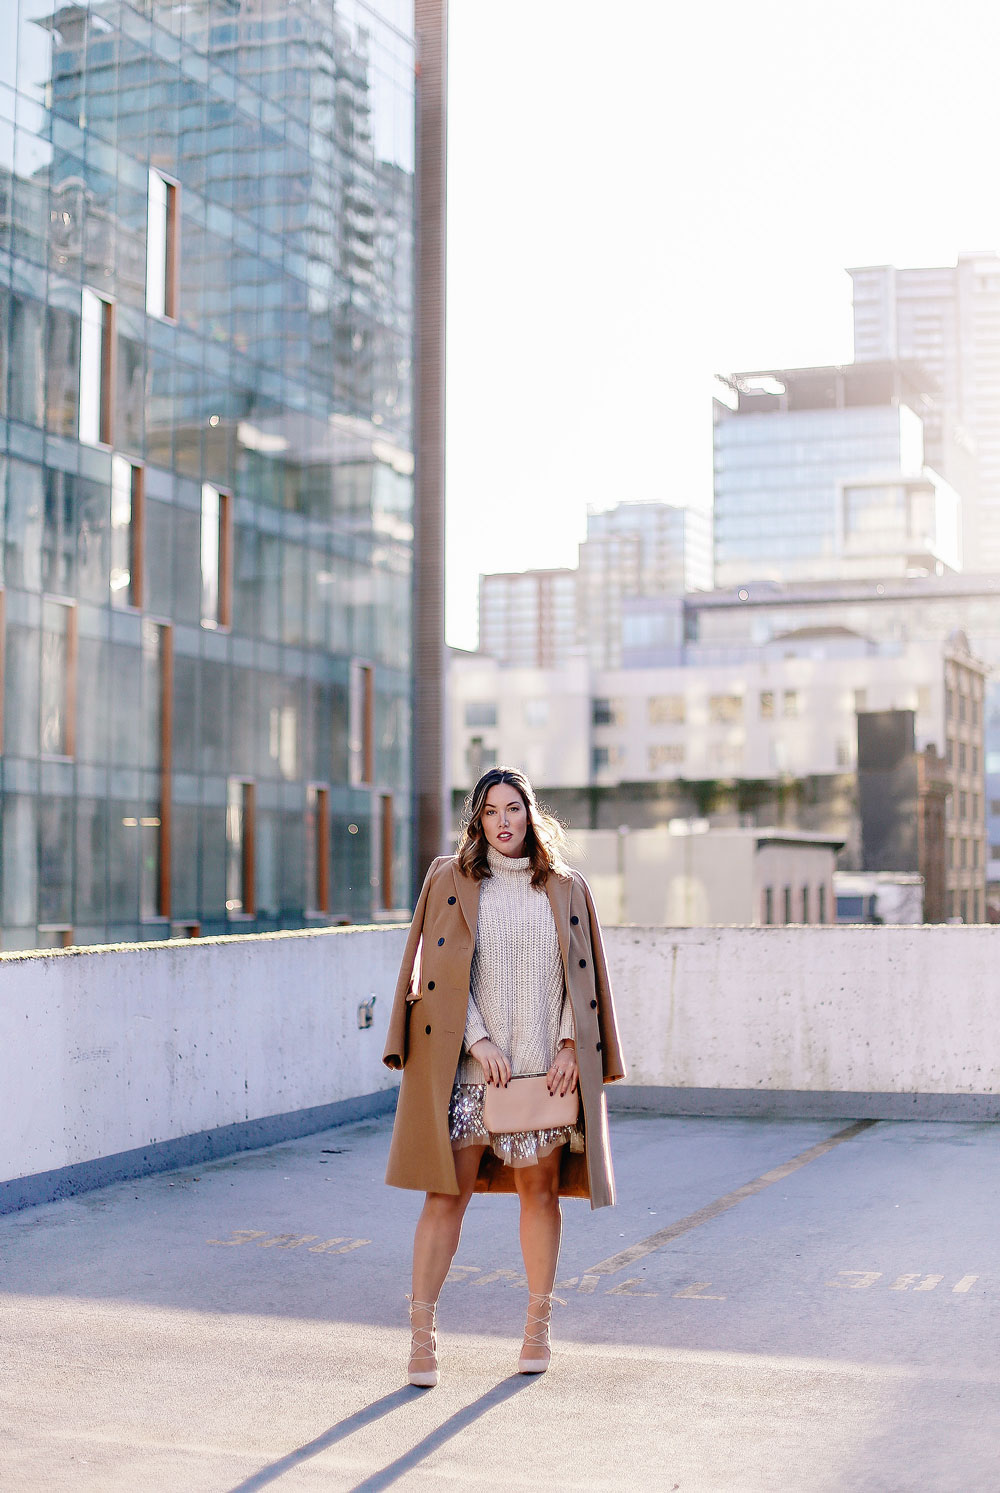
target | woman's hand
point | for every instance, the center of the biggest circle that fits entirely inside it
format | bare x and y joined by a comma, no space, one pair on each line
562,1076
492,1061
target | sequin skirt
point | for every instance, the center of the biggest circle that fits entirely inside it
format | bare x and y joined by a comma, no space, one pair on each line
521,1148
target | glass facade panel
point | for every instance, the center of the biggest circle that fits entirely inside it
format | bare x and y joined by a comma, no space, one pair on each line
91,860
25,510
57,680
122,546
55,861
20,861
27,360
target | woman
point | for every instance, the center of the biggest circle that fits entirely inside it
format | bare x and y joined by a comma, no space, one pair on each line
503,974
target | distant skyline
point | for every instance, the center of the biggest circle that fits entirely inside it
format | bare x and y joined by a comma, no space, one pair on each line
643,195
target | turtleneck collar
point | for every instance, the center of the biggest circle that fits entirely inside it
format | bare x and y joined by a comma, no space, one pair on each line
499,864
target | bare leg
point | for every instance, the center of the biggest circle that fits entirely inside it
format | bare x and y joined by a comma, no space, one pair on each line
439,1229
541,1233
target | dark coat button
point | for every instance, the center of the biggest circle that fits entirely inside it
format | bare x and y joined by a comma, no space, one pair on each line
583,964
593,1004
440,942
598,1045
451,902
574,920
428,1031
430,986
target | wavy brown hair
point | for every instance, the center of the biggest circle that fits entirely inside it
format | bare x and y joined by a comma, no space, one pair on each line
543,842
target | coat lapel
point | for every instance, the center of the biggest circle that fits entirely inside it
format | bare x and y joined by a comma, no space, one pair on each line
468,899
560,890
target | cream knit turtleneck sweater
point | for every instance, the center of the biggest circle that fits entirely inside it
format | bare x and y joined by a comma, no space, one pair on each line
518,990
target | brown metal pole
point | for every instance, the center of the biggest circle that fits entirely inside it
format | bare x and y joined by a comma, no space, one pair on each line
430,829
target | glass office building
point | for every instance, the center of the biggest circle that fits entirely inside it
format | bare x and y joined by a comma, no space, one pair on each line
819,474
206,456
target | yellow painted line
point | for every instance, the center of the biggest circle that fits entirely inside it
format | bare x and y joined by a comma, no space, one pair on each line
656,1241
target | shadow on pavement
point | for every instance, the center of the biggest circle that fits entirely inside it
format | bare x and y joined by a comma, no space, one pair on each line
375,1411
505,1390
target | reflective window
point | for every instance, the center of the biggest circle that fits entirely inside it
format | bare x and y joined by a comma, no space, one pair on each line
161,247
27,360
608,712
20,861
96,343
362,723
58,680
240,896
666,710
317,841
127,515
725,708
216,557
55,861
62,347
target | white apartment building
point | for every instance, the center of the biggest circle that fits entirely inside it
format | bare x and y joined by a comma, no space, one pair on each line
787,714
791,712
528,618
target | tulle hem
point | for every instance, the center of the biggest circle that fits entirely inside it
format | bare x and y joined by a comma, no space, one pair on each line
520,1148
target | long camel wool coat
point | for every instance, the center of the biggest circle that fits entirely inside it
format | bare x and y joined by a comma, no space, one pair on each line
427,1028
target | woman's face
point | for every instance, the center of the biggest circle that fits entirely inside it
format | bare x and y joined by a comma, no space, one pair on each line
505,819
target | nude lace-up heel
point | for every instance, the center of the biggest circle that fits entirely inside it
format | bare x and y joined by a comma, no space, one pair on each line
536,1334
423,1346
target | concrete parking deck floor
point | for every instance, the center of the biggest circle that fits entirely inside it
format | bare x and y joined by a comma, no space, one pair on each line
833,1326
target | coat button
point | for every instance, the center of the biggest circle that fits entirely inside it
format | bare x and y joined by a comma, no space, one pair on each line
593,1004
428,1031
451,902
430,986
574,920
598,1045
583,964
440,942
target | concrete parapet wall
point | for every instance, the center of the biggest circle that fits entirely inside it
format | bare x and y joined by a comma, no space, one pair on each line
129,1053
852,1010
110,1050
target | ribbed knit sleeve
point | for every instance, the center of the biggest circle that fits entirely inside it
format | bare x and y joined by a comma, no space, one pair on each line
567,1026
475,1026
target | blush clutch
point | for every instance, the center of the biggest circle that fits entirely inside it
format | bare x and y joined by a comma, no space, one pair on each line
526,1104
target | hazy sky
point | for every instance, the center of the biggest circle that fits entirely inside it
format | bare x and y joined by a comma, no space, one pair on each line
646,192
